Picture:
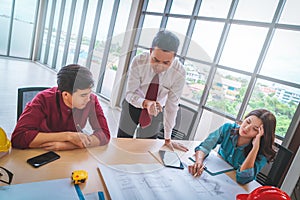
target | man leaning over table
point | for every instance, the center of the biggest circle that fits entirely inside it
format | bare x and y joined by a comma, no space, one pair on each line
53,119
148,107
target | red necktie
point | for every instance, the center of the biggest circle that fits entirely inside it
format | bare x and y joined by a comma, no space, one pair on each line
145,118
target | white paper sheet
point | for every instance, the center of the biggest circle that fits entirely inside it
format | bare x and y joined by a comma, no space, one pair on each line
152,181
45,190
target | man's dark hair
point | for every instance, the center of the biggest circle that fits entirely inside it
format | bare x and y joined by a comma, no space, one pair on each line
72,77
166,41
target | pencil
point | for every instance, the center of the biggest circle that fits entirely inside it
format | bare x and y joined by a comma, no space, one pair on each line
203,166
79,128
155,157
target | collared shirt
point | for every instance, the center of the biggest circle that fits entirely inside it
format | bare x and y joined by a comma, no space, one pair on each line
231,153
48,113
171,83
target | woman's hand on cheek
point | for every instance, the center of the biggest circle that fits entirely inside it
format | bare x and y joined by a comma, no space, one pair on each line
256,139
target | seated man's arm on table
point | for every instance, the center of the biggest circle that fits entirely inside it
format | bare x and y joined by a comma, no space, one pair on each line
27,134
92,141
72,140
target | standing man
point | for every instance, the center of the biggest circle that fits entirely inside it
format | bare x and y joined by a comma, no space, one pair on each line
53,119
155,83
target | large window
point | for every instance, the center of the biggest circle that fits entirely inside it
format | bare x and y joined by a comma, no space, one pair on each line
5,17
227,92
240,55
196,78
101,37
278,98
243,46
54,36
116,41
205,39
75,33
59,32
86,32
63,39
17,21
282,59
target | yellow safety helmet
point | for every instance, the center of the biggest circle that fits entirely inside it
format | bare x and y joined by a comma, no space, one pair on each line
5,144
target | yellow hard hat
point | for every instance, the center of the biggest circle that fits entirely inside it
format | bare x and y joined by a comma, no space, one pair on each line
4,142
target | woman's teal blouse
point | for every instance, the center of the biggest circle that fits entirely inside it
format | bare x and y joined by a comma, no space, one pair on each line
231,153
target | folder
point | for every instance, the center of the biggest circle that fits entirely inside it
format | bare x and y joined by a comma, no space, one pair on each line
214,164
46,190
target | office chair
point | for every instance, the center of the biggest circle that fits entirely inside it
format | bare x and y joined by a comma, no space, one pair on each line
279,166
184,123
25,95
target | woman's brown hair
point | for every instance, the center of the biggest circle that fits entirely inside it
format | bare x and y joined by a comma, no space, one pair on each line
267,140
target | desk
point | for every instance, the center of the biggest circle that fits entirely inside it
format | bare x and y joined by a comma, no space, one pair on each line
118,151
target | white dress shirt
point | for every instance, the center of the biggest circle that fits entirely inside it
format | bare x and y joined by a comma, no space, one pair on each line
171,83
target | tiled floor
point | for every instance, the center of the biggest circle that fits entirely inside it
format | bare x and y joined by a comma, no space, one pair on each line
19,73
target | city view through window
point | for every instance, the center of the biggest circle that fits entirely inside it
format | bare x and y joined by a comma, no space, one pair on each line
228,91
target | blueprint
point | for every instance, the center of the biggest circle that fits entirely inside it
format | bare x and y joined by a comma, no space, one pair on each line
153,181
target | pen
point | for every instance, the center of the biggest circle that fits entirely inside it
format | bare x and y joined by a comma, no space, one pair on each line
79,128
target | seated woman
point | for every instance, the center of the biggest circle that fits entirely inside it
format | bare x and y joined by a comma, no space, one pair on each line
247,147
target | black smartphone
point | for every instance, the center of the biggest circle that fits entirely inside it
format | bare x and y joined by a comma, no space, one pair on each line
170,159
43,159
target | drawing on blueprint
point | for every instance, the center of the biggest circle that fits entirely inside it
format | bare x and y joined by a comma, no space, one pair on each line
166,183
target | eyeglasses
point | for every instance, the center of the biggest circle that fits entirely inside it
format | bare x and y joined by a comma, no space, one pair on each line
5,175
